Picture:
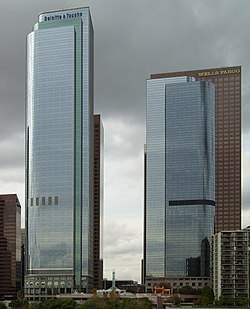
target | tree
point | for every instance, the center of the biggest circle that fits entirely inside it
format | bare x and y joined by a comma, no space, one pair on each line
65,304
188,290
15,304
56,304
136,304
114,302
207,296
34,306
94,303
218,301
241,302
224,301
2,306
20,297
175,299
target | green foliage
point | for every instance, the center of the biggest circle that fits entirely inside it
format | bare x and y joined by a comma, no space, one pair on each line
174,299
188,290
56,304
15,304
19,302
34,306
93,303
222,301
218,301
20,296
66,304
114,302
241,302
207,296
227,301
143,304
2,306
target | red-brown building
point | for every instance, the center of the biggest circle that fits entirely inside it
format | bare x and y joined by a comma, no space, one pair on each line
227,81
10,245
98,202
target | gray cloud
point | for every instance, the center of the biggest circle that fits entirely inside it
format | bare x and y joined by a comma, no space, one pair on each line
12,151
123,247
133,39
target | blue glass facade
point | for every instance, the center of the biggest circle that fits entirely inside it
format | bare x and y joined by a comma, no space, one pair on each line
59,152
180,179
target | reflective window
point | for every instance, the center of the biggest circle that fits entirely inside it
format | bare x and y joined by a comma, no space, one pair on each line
180,167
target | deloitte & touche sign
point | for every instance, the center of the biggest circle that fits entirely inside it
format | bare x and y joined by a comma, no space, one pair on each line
63,16
220,72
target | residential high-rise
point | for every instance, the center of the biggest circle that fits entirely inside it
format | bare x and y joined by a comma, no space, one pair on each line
227,82
59,154
98,202
180,177
10,245
230,265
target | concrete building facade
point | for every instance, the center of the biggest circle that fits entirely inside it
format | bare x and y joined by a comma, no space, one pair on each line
231,264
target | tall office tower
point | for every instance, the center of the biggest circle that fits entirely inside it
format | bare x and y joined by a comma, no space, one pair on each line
10,245
98,202
59,154
180,176
227,82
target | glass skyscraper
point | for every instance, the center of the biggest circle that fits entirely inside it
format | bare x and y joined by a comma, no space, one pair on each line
180,177
227,81
59,154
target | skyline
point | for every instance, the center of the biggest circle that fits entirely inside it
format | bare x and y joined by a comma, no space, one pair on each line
125,55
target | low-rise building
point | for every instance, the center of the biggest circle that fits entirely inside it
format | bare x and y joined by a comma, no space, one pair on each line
230,264
176,283
10,246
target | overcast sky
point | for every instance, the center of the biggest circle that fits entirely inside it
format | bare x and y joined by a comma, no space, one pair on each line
133,38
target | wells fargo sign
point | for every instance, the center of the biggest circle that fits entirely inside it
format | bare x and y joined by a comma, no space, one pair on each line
219,72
